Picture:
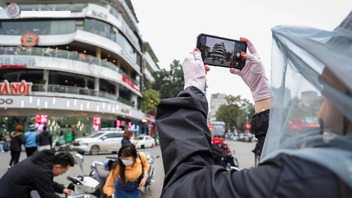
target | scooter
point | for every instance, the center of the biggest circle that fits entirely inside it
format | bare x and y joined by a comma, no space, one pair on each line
84,186
100,172
60,145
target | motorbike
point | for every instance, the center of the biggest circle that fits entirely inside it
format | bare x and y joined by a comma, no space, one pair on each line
60,145
84,186
100,172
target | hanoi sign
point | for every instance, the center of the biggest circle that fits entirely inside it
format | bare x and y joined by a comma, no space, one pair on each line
15,88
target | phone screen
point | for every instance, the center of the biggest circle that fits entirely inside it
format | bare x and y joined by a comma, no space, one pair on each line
223,52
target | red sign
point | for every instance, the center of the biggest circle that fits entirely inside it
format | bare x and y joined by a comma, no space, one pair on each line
130,83
19,88
29,39
96,123
15,66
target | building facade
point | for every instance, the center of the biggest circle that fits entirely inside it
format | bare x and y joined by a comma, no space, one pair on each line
73,65
216,100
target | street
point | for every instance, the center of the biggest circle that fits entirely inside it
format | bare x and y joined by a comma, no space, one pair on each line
242,152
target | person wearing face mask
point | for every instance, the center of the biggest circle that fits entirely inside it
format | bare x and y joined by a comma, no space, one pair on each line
311,80
128,174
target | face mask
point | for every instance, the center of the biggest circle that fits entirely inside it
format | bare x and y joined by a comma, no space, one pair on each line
127,162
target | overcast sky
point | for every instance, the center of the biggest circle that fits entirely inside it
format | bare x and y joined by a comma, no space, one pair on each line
172,26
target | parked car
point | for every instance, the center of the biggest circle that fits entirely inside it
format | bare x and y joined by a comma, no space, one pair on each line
144,141
100,142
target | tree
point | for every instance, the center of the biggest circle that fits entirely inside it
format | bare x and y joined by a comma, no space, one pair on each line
234,113
169,83
150,100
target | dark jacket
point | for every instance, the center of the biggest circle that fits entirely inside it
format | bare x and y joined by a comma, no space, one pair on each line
17,140
34,172
125,142
190,172
44,138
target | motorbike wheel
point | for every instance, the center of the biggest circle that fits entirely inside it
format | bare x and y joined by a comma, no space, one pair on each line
94,150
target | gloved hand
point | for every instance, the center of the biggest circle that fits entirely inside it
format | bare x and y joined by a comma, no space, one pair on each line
253,73
194,70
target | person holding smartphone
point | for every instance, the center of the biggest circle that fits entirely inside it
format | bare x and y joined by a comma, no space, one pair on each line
306,59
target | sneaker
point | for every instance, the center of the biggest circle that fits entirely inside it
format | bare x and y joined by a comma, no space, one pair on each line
8,168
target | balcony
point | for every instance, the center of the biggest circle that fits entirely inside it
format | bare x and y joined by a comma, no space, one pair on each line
61,89
55,53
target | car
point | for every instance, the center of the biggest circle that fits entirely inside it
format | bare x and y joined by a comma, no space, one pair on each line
101,142
144,141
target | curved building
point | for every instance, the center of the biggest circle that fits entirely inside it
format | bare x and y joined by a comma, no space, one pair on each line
73,65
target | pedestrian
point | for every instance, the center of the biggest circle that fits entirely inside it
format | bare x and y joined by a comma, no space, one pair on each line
2,140
69,137
36,173
31,140
126,139
128,174
227,157
305,59
6,143
17,140
44,139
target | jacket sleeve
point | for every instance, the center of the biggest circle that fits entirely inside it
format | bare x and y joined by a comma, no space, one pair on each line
46,186
144,162
59,188
185,142
109,184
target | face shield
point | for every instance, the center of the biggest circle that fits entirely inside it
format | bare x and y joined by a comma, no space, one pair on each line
311,81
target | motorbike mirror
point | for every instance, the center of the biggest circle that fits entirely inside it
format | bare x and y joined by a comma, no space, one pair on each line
78,159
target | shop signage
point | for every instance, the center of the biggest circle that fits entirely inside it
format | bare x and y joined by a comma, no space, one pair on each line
130,83
29,39
15,88
99,14
13,66
13,10
125,111
6,101
16,62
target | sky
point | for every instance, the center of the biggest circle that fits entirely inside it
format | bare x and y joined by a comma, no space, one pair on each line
171,27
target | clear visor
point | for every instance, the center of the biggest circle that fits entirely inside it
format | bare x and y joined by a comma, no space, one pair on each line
312,108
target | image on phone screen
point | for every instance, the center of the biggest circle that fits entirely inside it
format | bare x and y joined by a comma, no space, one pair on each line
223,52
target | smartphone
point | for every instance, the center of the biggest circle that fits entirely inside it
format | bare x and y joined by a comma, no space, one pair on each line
220,51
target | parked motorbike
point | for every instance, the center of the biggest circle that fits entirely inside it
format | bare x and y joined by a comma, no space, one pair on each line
60,146
84,186
100,172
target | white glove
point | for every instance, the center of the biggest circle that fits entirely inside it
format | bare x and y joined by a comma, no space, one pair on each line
253,73
194,70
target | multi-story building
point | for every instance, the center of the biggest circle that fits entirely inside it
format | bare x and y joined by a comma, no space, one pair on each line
218,52
216,100
73,63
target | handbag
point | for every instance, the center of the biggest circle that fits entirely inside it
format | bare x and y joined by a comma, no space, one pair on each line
147,183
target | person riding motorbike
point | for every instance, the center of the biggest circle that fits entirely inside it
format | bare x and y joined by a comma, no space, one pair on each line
311,77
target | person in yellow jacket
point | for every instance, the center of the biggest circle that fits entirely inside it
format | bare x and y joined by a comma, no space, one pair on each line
128,174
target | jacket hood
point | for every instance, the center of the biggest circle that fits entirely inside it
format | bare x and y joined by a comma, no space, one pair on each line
15,133
44,157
